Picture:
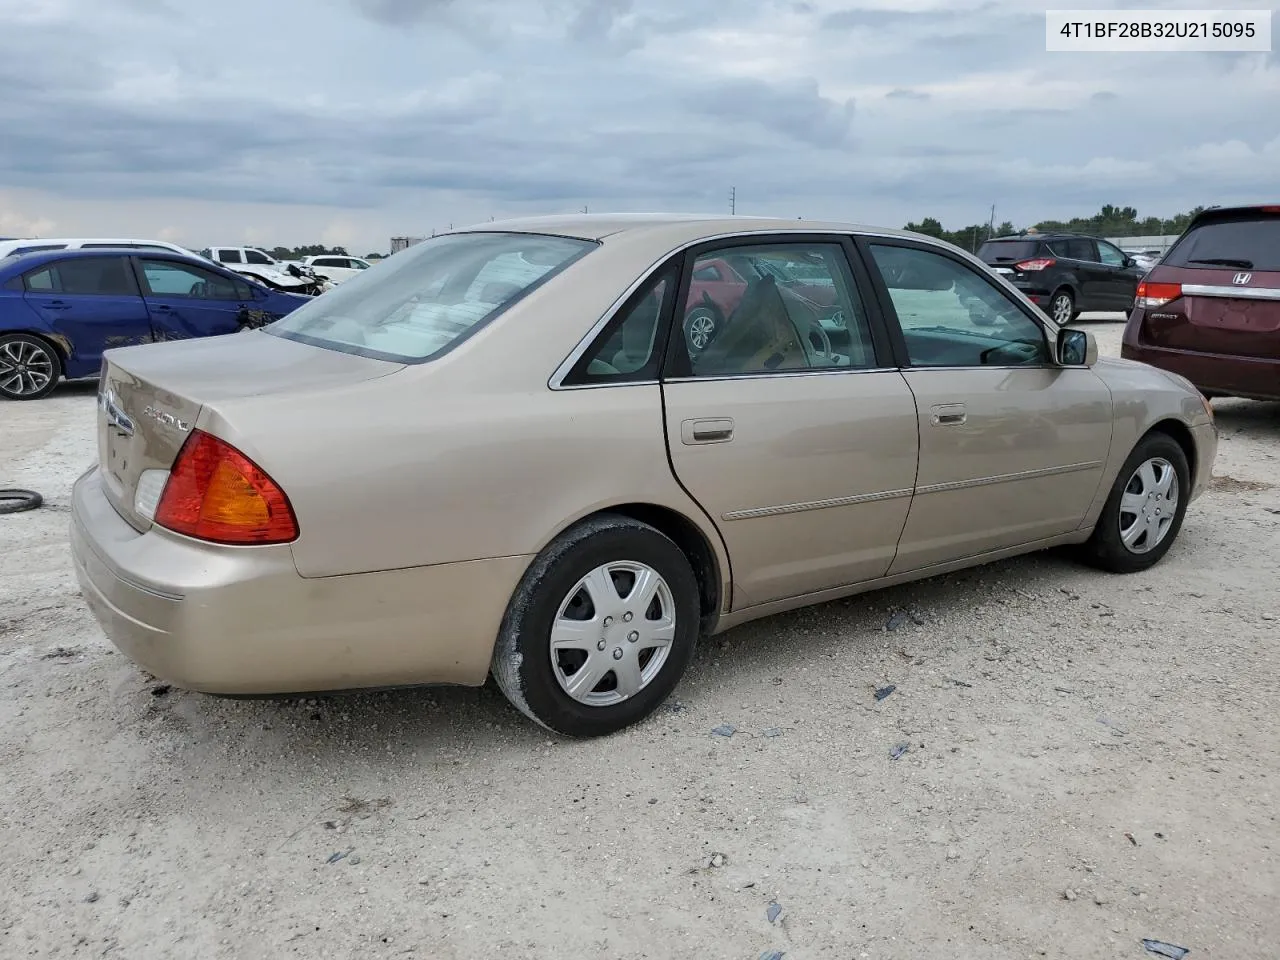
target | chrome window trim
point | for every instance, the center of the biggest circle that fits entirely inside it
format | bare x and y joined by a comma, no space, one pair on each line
556,381
1231,292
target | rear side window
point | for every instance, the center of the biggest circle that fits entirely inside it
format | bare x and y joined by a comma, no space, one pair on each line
432,295
1243,243
229,256
630,348
94,276
1008,251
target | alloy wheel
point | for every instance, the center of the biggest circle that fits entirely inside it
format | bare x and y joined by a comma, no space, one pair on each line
26,367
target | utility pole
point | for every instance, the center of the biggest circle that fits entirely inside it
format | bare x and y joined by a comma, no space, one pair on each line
991,224
733,201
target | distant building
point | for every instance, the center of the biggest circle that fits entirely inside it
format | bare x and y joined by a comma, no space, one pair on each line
1142,244
401,243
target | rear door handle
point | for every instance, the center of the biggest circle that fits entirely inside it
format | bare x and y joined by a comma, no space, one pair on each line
947,414
718,430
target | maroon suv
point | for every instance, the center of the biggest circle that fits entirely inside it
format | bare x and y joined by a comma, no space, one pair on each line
1210,309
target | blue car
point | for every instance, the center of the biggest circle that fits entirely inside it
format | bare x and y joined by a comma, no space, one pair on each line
60,309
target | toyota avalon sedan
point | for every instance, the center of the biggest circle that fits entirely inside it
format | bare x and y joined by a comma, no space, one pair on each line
498,453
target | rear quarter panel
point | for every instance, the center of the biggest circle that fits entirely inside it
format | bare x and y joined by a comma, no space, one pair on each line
471,455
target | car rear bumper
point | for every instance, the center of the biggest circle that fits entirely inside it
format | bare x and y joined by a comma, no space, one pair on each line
1212,373
242,621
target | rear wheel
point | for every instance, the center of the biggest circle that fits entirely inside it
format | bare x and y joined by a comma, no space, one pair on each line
29,367
1144,511
1062,307
600,629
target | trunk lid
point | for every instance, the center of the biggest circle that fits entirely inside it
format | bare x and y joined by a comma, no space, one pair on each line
1227,268
150,397
1219,311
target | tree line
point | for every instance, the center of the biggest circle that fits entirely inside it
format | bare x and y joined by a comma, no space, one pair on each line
1110,221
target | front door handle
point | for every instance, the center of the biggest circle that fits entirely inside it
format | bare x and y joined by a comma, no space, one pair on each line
947,414
718,430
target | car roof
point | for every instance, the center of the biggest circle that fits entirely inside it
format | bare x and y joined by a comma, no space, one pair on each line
1213,213
1054,235
679,228
26,261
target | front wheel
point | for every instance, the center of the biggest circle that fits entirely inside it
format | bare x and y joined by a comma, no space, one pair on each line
1144,511
29,367
600,629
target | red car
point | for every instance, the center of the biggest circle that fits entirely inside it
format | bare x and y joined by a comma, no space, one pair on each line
717,286
1210,309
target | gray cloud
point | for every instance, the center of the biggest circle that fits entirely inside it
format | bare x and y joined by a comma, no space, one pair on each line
487,105
795,109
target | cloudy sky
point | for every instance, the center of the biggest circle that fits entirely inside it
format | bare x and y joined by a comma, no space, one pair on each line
350,121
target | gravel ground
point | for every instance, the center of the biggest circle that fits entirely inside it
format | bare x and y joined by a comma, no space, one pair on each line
1091,760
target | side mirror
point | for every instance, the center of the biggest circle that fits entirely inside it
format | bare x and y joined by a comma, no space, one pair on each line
1077,348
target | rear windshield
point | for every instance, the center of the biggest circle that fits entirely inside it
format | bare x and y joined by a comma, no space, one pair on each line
429,297
1251,243
1008,251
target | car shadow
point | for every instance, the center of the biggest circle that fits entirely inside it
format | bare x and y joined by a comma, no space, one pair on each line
1258,418
76,388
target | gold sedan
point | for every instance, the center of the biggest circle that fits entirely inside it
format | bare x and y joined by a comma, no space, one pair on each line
559,450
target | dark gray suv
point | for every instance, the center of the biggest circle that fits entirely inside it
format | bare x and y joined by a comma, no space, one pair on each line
1066,274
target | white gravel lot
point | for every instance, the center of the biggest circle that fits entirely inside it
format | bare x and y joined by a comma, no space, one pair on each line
1093,761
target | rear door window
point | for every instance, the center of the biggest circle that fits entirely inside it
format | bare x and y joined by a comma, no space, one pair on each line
229,256
92,277
1242,243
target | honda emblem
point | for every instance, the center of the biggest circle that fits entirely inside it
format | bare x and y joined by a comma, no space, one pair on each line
1240,279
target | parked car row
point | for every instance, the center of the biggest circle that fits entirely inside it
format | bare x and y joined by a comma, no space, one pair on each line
61,308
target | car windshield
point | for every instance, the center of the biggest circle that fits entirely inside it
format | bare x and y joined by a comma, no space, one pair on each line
1249,244
431,296
1007,251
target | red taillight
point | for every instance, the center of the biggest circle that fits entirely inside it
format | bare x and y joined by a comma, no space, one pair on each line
1270,209
1039,263
216,493
1157,294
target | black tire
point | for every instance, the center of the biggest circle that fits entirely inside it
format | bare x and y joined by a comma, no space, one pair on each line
1106,549
17,501
37,354
1056,308
522,662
